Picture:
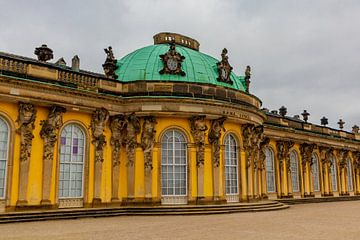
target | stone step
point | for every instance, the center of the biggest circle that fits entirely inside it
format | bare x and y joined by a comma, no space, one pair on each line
318,200
139,211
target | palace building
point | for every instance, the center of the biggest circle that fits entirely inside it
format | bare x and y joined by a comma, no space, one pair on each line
165,125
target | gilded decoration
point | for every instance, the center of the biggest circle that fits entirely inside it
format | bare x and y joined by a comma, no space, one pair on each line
198,130
133,128
252,138
148,140
214,138
224,68
26,121
283,149
117,127
98,121
306,151
110,63
172,61
49,130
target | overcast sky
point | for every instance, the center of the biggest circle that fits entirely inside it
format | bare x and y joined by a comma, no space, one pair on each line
303,54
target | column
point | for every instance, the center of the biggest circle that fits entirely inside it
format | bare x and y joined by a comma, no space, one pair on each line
244,196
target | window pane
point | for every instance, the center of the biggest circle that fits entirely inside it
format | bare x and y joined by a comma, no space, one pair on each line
71,162
173,159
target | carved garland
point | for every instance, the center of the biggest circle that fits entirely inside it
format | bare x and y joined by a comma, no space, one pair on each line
49,130
148,140
98,121
198,128
26,120
214,138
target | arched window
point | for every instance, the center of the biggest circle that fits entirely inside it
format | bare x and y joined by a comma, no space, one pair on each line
270,170
315,173
231,166
4,150
72,153
333,173
173,164
349,176
294,167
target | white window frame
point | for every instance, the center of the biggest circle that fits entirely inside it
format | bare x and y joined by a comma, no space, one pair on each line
269,158
227,159
349,176
294,167
6,157
315,174
73,125
334,184
173,131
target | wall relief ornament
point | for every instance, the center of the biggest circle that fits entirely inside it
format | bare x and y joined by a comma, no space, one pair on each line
224,68
252,138
148,140
133,128
117,127
172,62
283,149
110,64
306,151
342,157
98,121
26,120
198,128
214,138
49,130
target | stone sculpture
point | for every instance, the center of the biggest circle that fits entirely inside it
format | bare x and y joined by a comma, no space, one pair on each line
98,121
198,128
49,130
26,120
133,128
148,140
214,138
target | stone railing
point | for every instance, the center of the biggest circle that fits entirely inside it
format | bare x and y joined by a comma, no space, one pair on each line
13,65
81,80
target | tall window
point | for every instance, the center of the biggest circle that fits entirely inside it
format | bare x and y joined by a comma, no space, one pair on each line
72,147
270,170
349,176
173,164
4,149
231,165
315,173
294,167
333,173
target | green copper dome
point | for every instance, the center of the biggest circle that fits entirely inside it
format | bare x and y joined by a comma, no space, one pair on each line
144,64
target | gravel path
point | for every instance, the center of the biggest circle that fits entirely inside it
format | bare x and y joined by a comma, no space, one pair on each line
339,220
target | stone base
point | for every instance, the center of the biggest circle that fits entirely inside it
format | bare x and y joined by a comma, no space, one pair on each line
311,195
97,203
21,203
45,202
140,201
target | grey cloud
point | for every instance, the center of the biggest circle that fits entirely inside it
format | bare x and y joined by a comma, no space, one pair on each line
304,54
